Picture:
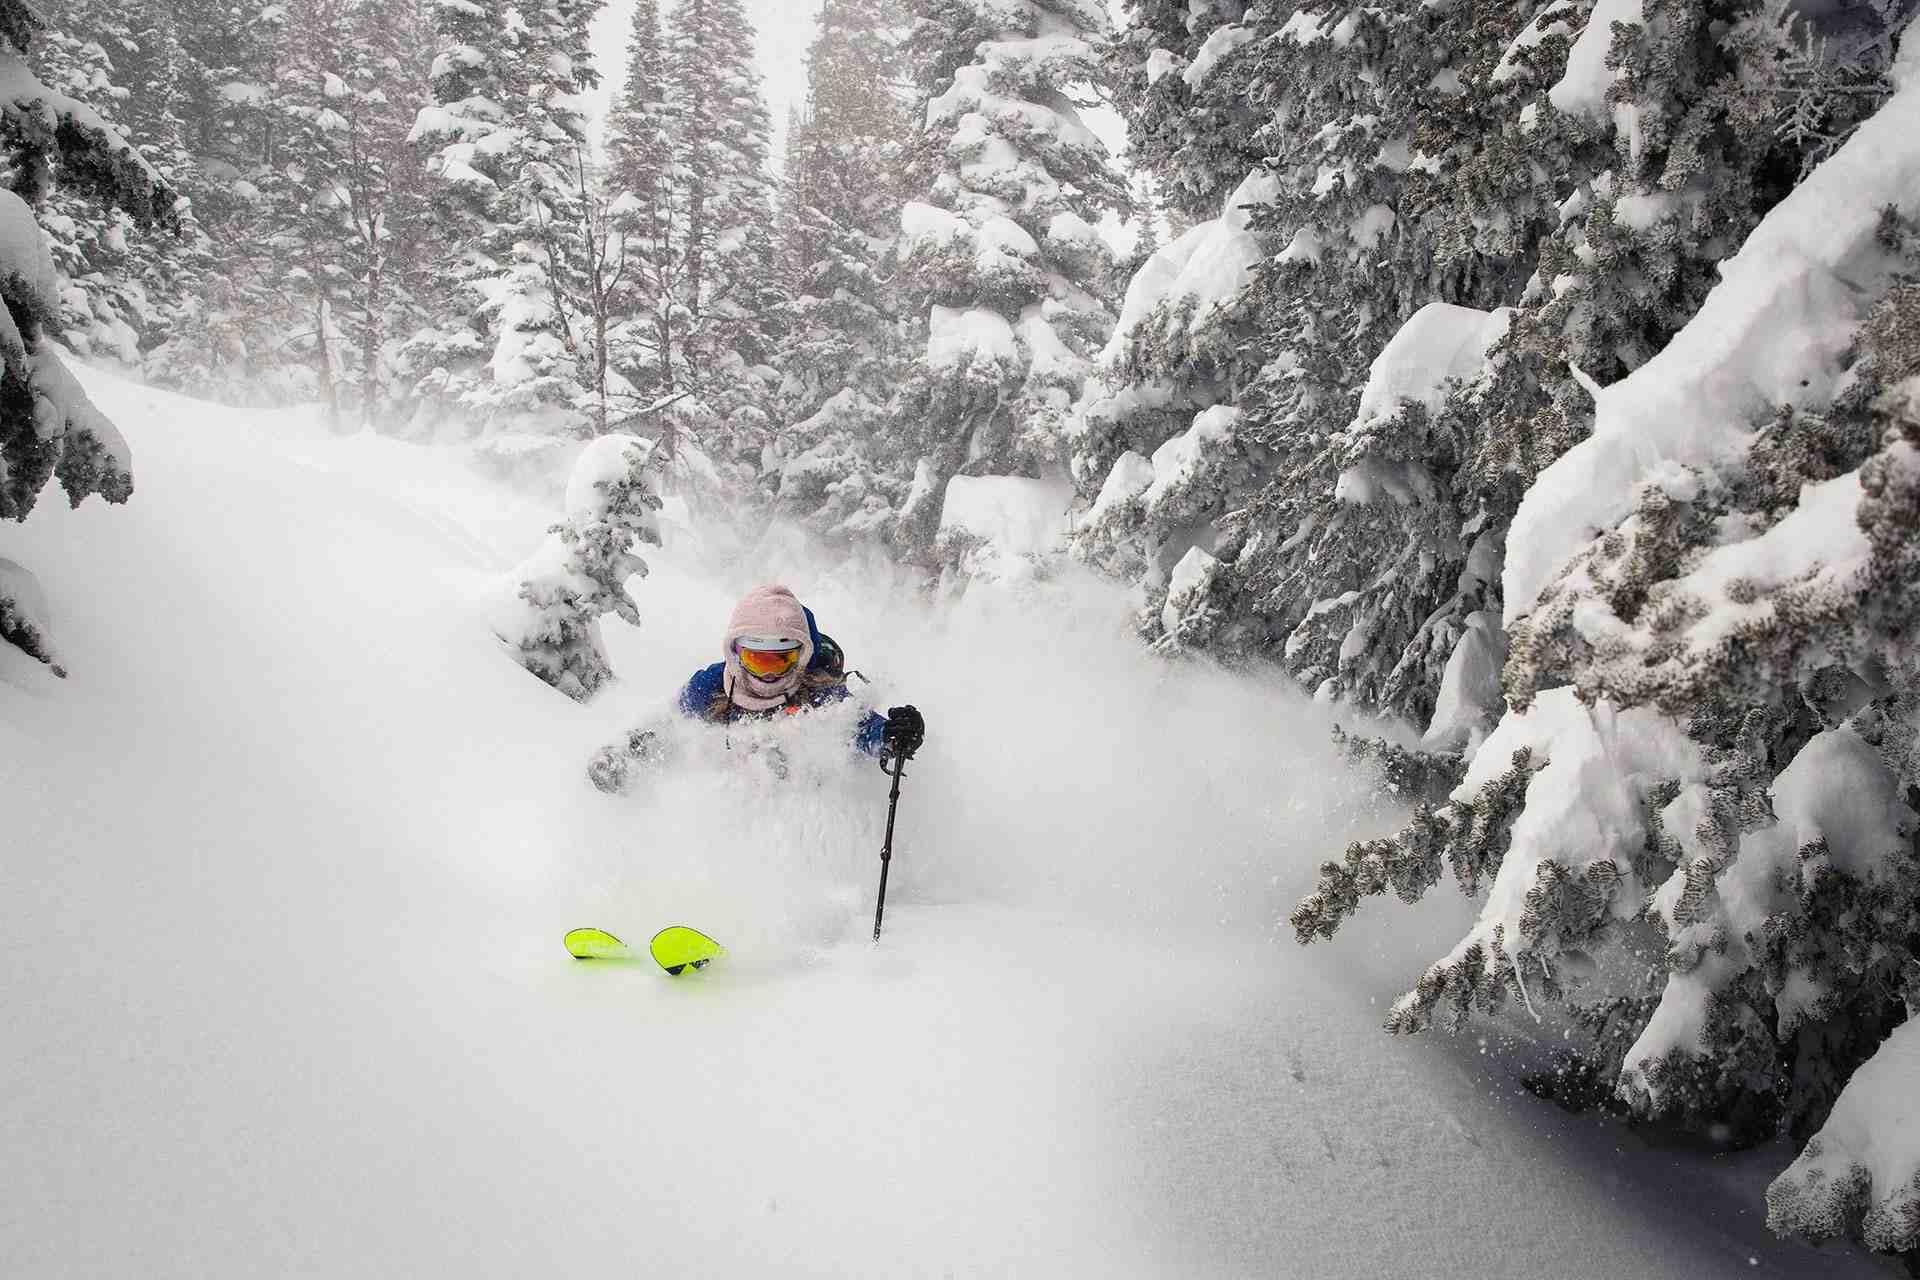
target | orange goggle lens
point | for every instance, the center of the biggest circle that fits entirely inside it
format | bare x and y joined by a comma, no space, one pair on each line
769,664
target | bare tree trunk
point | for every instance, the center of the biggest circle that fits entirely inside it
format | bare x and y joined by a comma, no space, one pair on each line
697,124
373,336
600,360
323,348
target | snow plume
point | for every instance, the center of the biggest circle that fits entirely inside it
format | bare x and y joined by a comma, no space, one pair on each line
1001,528
1042,784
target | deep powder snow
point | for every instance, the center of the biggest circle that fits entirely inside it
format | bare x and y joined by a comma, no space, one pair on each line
290,854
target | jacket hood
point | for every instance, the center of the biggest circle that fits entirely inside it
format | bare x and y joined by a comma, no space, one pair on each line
771,610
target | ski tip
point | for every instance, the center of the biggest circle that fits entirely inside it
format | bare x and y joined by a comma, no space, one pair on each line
677,949
595,944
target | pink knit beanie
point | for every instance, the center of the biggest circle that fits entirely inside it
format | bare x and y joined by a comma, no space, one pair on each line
770,612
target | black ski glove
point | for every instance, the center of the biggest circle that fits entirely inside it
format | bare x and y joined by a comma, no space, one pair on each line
904,733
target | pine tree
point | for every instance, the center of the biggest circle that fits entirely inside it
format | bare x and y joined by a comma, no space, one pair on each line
48,427
121,289
1156,438
1193,135
202,85
1000,247
839,354
506,135
724,199
580,575
173,267
1368,556
343,202
639,178
691,217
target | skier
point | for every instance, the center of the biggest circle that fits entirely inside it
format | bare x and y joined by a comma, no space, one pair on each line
777,662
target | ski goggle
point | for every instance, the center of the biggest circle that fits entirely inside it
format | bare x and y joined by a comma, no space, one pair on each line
768,664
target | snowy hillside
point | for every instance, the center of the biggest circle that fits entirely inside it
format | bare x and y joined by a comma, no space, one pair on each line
290,852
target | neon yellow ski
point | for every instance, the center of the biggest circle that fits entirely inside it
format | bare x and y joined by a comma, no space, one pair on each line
674,949
678,948
597,944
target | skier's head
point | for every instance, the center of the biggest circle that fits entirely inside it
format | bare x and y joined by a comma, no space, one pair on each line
768,647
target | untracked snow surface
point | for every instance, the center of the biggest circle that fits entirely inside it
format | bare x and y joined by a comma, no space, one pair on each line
288,857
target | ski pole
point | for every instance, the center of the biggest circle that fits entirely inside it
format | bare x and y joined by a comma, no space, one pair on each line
886,850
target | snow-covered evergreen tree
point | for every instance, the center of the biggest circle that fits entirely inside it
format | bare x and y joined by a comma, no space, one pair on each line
839,352
1001,258
692,206
639,180
1194,137
506,132
344,195
230,341
122,286
580,575
1391,173
1564,184
726,201
48,427
1710,758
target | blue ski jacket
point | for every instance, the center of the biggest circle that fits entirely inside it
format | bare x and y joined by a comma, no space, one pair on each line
708,685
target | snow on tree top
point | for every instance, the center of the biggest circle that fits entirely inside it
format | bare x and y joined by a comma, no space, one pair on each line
1004,243
1816,547
1582,91
1177,461
1069,228
1210,263
1557,20
602,465
241,93
1577,813
1218,45
1129,478
972,94
921,222
1048,17
1047,355
958,336
1438,343
26,96
1310,28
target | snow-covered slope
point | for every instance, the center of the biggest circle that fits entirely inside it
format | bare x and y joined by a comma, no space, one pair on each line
288,857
